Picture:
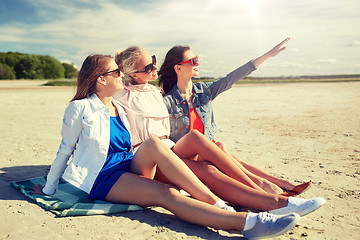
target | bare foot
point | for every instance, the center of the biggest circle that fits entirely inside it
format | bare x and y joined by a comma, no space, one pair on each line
269,187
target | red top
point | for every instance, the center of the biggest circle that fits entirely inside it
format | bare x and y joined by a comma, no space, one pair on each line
195,121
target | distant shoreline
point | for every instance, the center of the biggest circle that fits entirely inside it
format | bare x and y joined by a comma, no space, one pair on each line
42,84
285,79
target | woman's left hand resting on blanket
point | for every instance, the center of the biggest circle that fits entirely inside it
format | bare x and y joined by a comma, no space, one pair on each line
37,189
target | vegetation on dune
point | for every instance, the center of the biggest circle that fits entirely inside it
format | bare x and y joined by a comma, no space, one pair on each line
61,82
14,65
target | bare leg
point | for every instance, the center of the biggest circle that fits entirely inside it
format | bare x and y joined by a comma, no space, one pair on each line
258,175
283,183
263,183
234,191
153,153
131,188
195,143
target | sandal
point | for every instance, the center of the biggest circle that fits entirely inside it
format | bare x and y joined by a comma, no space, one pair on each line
297,190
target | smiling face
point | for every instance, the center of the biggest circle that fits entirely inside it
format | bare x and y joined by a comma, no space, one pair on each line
113,78
145,62
187,70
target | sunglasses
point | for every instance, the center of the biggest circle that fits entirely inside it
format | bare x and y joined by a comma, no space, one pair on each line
194,61
118,72
149,68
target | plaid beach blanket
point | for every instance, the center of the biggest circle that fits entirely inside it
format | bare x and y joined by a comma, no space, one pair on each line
69,200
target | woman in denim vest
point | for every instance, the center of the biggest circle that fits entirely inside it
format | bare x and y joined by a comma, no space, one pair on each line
189,106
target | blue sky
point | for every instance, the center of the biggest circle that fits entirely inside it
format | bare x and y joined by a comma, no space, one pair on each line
325,34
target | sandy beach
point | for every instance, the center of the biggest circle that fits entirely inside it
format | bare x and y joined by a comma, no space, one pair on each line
299,131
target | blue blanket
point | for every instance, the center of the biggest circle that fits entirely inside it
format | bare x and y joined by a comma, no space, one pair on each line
69,200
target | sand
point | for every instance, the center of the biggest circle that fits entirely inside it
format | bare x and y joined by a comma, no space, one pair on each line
299,131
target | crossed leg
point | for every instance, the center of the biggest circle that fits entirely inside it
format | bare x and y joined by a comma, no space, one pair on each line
232,190
132,188
153,154
259,176
141,189
195,143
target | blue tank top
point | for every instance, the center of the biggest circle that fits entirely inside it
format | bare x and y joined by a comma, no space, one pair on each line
120,145
117,162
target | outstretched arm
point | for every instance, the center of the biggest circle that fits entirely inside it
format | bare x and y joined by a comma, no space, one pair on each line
227,82
272,53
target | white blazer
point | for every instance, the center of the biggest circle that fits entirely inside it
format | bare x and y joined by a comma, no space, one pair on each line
85,135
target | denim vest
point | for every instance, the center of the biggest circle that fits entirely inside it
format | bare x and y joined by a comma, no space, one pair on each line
203,95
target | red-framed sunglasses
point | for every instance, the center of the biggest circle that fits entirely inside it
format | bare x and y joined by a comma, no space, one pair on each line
194,61
150,67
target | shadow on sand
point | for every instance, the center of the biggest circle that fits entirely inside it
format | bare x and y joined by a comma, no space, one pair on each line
151,217
18,173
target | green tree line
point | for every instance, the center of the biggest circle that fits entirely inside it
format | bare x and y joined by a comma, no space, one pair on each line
15,65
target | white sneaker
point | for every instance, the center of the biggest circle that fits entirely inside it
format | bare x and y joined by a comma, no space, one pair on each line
300,206
270,225
222,205
228,208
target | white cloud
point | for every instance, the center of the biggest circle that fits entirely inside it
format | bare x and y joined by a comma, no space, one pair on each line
354,43
294,65
224,33
328,60
11,33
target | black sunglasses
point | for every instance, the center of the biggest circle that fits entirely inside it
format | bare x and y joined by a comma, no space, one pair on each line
149,68
118,72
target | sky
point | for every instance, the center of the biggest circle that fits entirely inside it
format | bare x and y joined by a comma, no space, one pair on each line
225,34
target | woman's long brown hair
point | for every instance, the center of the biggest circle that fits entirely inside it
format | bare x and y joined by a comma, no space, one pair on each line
167,74
91,69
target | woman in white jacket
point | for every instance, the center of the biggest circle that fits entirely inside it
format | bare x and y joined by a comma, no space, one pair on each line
104,166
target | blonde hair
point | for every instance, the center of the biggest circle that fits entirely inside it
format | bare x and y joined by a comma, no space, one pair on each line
127,59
